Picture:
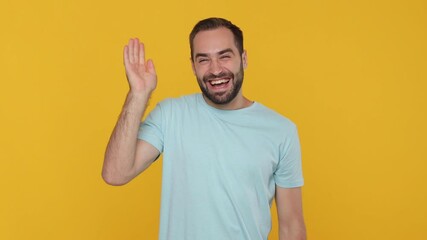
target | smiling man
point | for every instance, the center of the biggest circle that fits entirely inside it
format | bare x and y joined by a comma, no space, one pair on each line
218,65
225,157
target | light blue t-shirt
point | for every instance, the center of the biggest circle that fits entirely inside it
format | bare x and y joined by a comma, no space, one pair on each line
220,167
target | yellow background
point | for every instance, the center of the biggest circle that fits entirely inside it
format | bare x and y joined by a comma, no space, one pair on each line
351,74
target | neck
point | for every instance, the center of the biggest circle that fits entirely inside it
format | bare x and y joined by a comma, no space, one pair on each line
238,102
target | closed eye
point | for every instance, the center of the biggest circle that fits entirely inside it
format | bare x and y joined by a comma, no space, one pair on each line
202,60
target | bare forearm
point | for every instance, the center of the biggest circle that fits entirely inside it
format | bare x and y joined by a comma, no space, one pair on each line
295,231
119,159
289,211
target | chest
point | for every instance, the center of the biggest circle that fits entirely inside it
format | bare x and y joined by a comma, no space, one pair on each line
215,148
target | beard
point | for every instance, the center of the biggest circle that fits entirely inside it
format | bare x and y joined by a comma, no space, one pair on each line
222,97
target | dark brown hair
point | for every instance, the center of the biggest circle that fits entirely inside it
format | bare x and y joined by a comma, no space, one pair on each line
214,23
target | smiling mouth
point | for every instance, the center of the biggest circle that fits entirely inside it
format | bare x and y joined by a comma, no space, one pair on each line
219,82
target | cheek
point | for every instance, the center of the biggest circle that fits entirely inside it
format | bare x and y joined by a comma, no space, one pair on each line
201,72
199,75
234,69
197,70
234,66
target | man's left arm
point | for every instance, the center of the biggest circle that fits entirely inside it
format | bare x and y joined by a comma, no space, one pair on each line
289,211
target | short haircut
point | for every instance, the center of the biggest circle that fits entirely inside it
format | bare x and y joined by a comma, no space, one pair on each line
214,23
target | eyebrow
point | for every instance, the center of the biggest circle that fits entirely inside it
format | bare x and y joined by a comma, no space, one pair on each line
228,50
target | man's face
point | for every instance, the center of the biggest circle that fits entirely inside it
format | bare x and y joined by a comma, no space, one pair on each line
218,65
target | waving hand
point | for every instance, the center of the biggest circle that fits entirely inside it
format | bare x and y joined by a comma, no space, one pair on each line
141,74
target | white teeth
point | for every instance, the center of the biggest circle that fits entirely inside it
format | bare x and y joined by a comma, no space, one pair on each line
216,82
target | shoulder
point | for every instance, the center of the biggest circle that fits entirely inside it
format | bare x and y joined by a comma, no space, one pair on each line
178,103
272,117
182,100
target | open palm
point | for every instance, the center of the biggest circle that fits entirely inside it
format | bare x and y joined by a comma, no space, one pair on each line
141,74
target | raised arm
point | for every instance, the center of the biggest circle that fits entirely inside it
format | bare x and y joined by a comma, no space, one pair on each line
126,156
289,211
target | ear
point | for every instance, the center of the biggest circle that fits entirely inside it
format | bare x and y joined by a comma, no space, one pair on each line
192,66
245,59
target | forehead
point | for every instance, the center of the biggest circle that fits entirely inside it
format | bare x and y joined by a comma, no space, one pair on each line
213,41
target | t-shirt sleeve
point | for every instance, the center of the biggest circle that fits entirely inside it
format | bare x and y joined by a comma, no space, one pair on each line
151,129
288,173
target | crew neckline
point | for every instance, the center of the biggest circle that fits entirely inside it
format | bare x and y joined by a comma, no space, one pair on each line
224,111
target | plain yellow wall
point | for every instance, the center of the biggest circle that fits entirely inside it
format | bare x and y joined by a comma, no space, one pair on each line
351,74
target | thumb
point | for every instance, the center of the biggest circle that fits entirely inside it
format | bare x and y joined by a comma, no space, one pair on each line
150,66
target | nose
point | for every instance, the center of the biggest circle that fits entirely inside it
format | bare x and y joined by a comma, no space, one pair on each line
215,67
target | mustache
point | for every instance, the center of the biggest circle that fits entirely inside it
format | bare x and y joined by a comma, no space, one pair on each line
211,76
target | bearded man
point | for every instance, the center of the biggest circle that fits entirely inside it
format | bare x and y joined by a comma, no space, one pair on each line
225,157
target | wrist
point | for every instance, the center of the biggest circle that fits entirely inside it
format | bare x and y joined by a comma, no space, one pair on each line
136,102
140,96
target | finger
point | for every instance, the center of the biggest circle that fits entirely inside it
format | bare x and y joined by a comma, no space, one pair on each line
126,55
136,50
130,51
150,67
141,53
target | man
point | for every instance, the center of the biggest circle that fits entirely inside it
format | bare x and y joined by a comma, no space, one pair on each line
224,156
